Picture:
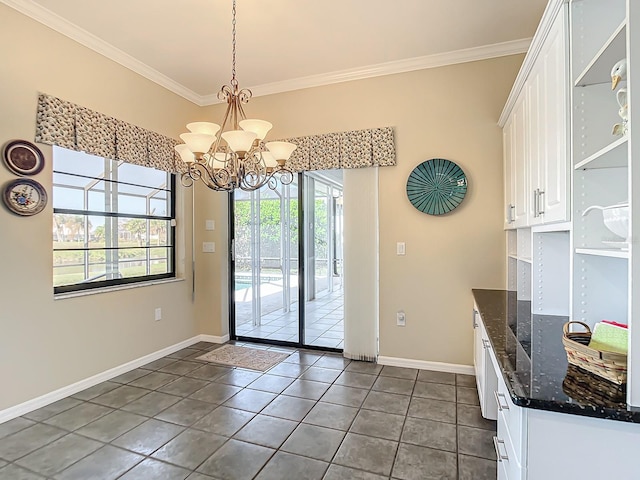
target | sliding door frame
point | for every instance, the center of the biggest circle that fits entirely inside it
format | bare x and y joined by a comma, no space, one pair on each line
301,279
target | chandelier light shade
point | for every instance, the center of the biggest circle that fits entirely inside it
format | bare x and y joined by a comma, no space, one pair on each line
234,155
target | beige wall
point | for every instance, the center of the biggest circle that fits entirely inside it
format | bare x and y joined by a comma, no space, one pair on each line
46,344
448,112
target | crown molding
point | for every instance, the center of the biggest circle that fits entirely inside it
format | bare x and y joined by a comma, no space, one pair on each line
63,26
550,13
400,66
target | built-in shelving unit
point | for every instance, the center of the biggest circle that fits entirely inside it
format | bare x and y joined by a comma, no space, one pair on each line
602,174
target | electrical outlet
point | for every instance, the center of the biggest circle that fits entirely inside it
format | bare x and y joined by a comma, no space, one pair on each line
401,319
158,314
208,247
209,225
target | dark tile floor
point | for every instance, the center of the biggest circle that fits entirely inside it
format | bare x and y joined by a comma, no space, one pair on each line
313,416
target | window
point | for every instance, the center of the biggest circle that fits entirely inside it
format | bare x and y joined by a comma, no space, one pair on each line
113,222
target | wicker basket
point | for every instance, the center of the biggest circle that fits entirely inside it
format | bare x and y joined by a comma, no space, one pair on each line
609,365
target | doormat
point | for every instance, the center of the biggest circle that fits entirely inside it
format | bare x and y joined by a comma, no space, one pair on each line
243,357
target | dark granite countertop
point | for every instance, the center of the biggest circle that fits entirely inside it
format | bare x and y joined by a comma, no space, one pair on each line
534,364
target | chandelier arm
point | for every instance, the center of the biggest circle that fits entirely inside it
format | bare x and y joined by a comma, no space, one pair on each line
219,182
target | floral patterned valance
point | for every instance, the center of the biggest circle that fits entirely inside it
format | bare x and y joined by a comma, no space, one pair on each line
74,127
356,149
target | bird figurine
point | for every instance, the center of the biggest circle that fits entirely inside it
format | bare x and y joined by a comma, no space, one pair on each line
621,128
618,73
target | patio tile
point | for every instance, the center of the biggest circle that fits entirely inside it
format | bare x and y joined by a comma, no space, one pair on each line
284,465
436,391
291,408
148,437
330,415
367,453
267,431
106,463
58,455
378,424
151,469
111,425
351,397
419,463
151,404
250,400
236,460
154,380
437,377
215,393
313,441
78,416
270,383
431,409
387,402
186,412
394,385
428,433
190,448
52,409
224,421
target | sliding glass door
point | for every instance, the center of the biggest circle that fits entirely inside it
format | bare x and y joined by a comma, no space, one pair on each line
271,231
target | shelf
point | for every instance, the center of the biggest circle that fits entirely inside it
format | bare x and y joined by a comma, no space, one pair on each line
520,259
598,70
613,155
603,252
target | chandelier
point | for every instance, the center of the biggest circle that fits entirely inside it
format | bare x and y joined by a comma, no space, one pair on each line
238,157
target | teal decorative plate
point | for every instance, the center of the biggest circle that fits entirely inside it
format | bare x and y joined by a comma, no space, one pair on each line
436,186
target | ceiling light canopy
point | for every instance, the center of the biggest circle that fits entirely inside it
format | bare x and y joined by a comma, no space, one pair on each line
234,155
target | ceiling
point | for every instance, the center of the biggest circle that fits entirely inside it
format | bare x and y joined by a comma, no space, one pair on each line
287,44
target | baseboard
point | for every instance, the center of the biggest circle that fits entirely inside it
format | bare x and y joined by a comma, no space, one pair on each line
213,338
39,402
424,365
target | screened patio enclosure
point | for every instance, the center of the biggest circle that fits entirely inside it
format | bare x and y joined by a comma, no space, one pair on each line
272,231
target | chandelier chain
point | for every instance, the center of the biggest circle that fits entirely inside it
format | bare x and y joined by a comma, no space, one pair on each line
234,82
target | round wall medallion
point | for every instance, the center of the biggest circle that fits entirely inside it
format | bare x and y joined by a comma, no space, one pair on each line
436,186
23,158
24,197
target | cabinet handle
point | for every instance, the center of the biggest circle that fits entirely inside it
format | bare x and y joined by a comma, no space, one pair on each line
536,196
510,209
540,202
496,445
501,406
473,319
486,343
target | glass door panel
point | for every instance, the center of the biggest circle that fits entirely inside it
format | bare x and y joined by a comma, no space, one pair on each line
324,313
266,263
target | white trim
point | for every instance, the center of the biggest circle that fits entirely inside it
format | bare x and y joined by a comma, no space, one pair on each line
214,338
71,30
63,26
127,286
549,15
425,365
48,398
400,66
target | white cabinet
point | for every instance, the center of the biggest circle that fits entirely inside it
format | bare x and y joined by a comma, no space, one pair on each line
486,378
535,132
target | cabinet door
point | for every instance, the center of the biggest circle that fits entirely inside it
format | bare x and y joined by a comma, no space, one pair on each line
519,151
536,116
509,172
554,186
478,352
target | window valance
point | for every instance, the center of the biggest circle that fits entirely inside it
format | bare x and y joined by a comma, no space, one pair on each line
373,147
77,128
74,127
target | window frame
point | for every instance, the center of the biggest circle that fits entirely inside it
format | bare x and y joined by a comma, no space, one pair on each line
86,285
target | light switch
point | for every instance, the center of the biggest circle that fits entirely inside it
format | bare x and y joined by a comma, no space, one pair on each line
400,250
208,247
210,225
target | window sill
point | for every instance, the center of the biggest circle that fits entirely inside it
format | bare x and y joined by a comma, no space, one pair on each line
94,291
